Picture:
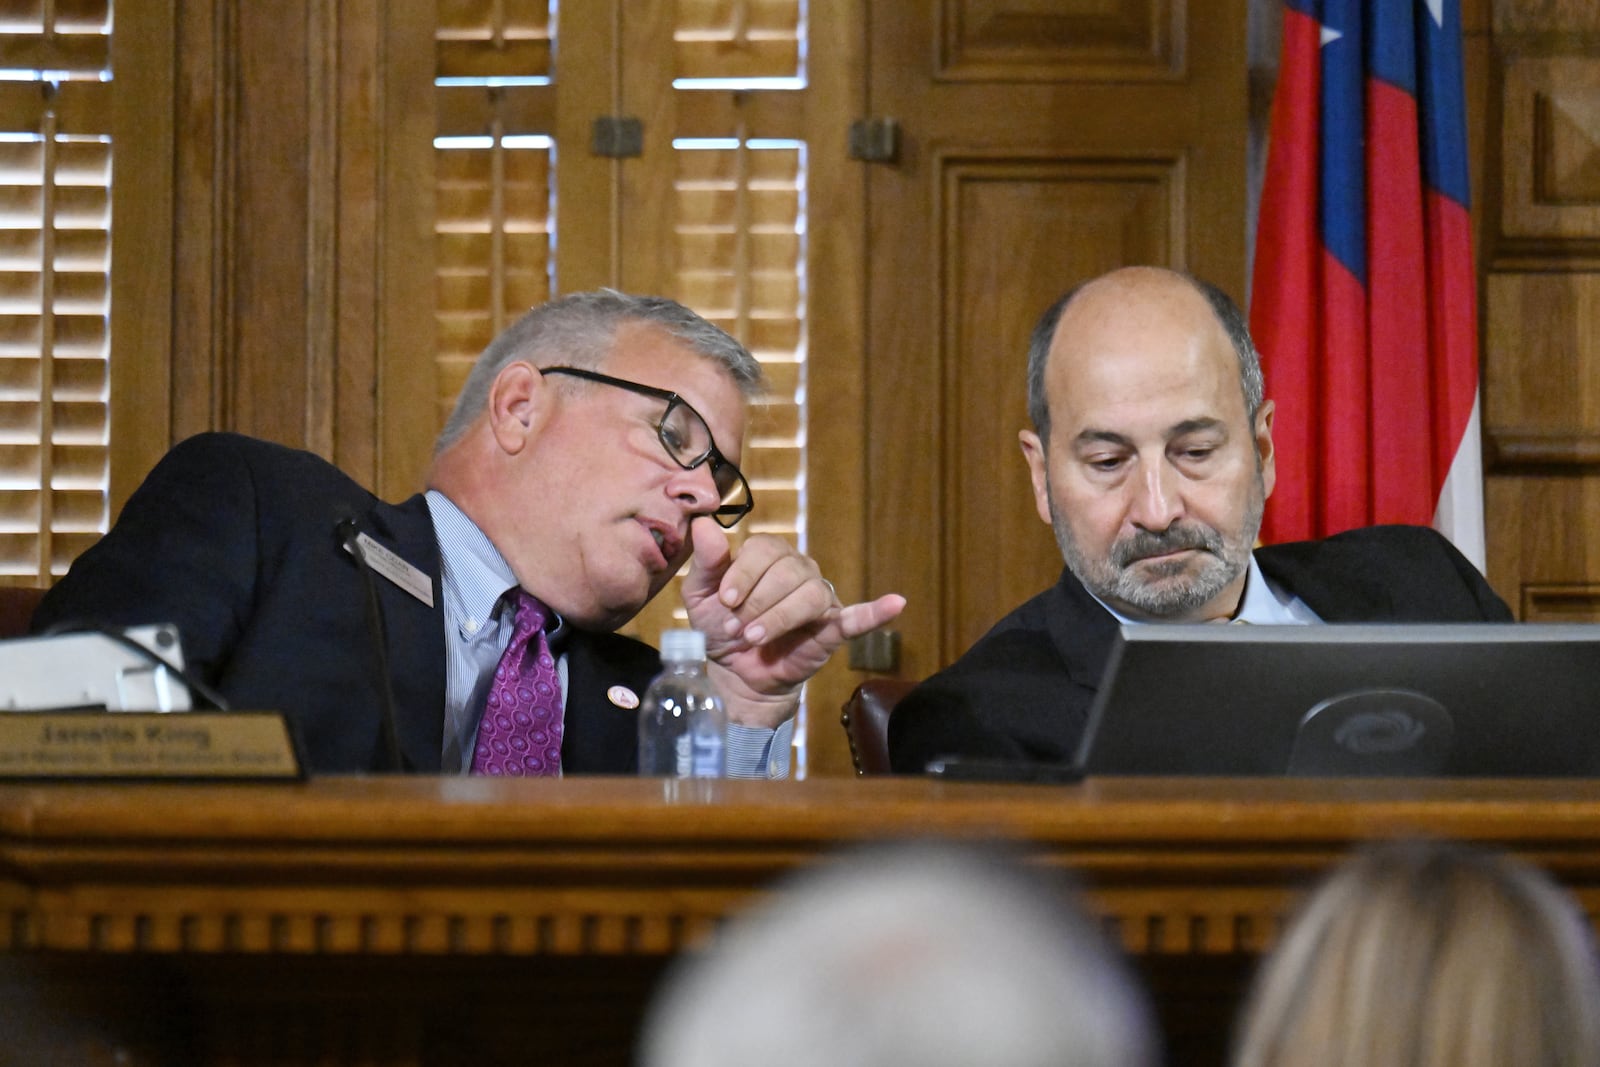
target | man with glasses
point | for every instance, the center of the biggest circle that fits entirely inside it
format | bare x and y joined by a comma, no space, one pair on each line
587,439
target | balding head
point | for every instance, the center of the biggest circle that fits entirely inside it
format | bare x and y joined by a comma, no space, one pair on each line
1138,289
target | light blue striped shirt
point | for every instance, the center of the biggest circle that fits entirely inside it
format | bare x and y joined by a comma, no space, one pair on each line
475,579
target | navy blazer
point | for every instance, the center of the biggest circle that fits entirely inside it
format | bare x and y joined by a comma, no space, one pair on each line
1025,689
235,540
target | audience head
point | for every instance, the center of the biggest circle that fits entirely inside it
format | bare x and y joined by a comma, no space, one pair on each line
1428,954
922,955
1151,454
569,443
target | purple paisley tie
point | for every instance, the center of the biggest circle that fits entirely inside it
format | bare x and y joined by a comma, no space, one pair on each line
520,733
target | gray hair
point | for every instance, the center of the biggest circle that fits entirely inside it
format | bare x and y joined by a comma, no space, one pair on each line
580,330
924,955
1222,306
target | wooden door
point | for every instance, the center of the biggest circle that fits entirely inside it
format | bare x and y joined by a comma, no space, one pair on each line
1041,143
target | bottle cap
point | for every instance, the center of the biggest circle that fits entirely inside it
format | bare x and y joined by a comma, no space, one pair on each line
677,646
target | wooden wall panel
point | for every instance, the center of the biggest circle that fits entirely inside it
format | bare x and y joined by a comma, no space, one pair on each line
142,264
1541,532
268,199
1052,40
1572,602
1550,166
1542,384
299,259
1540,263
202,246
1014,232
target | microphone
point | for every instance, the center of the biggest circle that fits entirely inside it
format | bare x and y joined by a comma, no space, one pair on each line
348,537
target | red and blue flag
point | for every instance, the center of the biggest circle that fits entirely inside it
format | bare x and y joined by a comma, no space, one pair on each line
1364,300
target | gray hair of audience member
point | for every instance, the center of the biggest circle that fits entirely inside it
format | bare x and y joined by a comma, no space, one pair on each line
1428,954
932,957
1227,312
580,330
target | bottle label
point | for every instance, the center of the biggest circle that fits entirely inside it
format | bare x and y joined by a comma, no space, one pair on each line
708,760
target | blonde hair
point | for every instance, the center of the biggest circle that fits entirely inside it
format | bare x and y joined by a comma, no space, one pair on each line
1428,954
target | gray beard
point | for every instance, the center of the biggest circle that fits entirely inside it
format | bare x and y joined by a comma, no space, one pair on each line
1161,590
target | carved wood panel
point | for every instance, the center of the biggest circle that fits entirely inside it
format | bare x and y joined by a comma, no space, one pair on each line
300,266
1061,40
1573,602
1014,233
1541,307
1542,383
1550,160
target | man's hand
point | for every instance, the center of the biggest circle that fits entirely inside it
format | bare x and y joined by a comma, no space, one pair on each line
770,619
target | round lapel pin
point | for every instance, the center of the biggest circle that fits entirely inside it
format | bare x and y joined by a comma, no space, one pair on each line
623,697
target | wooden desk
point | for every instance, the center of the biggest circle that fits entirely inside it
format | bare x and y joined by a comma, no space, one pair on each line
446,920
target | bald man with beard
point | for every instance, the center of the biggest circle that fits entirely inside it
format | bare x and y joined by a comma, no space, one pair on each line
1151,458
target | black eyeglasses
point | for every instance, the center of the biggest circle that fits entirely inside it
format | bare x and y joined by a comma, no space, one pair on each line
687,439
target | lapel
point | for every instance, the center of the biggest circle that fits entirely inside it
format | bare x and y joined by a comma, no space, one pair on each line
1335,578
601,735
1081,630
415,631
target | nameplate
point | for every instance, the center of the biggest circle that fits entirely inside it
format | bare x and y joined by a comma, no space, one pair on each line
219,745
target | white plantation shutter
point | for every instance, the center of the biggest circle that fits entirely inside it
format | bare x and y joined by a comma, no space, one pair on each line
55,263
738,202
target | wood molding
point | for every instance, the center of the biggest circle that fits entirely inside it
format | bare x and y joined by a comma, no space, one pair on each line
403,334
1577,254
617,867
206,175
998,40
144,270
1560,602
1567,19
316,923
1550,131
325,208
1522,448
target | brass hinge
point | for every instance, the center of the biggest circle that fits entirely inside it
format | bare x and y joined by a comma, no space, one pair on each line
875,140
617,137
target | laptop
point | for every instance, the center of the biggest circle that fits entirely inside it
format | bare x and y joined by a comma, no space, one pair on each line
1488,699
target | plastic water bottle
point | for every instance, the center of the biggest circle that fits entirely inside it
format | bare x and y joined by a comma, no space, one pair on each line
682,723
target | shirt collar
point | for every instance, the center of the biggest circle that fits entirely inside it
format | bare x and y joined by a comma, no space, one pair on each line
473,574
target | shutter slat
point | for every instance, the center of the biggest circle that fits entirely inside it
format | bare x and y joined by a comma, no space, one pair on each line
491,241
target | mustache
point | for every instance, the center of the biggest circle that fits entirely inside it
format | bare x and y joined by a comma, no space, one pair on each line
1147,543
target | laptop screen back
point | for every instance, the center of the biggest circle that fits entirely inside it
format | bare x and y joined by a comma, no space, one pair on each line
1511,700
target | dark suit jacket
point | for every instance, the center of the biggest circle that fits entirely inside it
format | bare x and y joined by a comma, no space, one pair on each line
234,540
1024,690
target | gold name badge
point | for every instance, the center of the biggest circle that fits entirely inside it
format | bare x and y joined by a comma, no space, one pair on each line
235,745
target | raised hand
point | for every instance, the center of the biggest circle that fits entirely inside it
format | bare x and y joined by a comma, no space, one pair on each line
770,619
